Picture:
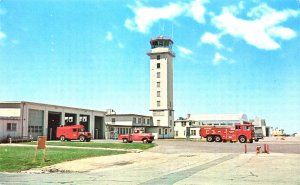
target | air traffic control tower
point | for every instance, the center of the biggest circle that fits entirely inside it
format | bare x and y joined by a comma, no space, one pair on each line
161,83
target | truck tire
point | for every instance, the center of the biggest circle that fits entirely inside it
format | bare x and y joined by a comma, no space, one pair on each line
149,141
209,138
242,139
81,138
218,138
62,138
88,140
125,140
145,140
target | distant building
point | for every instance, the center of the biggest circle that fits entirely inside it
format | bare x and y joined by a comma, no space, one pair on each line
260,126
190,126
277,132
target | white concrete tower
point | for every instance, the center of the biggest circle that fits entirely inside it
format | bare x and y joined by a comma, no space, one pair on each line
161,85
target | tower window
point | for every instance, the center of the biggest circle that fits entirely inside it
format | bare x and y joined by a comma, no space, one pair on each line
158,57
158,75
157,84
158,65
158,103
158,93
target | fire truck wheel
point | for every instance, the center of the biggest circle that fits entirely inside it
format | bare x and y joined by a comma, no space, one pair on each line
88,140
145,140
62,138
209,139
218,138
81,138
149,141
125,140
242,139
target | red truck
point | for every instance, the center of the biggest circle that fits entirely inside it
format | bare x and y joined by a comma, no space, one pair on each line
239,132
137,135
73,132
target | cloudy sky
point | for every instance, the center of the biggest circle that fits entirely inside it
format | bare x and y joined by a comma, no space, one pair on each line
231,56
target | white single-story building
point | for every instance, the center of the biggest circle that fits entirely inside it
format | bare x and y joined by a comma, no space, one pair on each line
125,123
35,119
190,126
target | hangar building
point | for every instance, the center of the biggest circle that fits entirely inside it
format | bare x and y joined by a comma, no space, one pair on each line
34,119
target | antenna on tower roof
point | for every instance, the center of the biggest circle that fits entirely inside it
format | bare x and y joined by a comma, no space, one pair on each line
172,31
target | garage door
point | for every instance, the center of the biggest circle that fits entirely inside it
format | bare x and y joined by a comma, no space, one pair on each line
35,123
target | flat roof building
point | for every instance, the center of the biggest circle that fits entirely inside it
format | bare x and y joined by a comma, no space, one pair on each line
36,119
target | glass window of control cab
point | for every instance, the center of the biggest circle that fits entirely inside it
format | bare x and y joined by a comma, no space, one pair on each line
238,127
247,128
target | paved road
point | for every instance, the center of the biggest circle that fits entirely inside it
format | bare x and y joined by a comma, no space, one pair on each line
178,162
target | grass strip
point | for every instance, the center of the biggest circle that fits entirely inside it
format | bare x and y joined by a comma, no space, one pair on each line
140,146
14,159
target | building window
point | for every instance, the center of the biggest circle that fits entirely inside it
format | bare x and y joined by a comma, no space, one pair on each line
171,123
193,132
134,119
166,131
11,126
157,84
148,121
170,113
183,124
139,120
158,65
158,93
113,120
144,120
158,103
158,75
32,129
158,57
158,122
159,131
176,133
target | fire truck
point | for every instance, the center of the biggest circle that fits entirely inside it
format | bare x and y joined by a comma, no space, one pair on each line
238,132
73,132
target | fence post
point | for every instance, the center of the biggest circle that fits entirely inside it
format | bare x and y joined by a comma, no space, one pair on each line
245,148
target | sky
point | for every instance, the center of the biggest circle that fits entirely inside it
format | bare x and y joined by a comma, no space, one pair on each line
231,56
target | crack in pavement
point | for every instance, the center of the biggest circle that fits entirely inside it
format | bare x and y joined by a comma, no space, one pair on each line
174,177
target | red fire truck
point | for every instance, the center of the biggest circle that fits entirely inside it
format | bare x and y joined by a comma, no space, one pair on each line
238,132
73,132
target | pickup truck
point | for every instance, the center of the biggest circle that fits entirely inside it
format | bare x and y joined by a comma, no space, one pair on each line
137,135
